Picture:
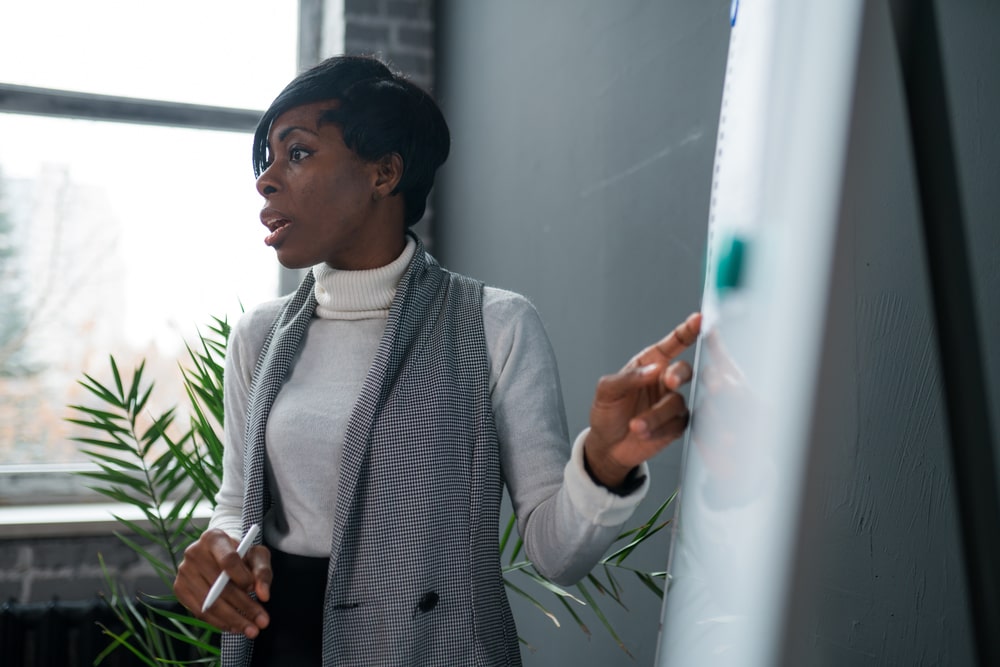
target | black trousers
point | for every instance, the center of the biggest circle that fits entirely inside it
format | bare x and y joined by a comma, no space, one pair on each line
294,637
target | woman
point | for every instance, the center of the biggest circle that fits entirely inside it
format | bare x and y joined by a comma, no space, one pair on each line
373,417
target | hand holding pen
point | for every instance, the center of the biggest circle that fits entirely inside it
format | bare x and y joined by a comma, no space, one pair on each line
220,582
214,562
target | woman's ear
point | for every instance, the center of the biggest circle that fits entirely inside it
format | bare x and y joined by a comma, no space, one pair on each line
389,171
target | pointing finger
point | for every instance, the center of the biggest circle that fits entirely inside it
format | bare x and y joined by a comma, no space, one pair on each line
674,343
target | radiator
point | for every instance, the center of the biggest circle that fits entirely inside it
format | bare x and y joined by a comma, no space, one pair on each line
58,634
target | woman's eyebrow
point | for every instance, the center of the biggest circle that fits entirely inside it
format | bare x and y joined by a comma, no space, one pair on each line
283,134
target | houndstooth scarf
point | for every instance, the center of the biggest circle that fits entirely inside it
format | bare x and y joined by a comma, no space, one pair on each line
414,576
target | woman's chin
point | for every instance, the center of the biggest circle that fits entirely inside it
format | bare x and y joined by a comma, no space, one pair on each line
291,260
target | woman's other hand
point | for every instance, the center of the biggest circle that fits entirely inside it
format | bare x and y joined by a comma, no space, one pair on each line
235,611
637,411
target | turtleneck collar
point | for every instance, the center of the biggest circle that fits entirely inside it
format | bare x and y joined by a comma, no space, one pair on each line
359,295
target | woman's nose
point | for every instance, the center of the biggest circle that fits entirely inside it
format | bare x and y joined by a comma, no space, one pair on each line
266,183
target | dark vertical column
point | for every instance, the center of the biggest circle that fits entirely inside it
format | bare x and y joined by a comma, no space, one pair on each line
962,362
310,32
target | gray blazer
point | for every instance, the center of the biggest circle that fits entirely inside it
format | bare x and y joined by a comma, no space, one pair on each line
415,575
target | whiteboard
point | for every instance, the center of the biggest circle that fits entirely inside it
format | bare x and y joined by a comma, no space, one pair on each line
776,190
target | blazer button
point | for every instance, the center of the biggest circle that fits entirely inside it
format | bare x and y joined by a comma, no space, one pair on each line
428,602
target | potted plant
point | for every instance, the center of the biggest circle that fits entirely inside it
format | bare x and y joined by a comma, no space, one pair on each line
168,471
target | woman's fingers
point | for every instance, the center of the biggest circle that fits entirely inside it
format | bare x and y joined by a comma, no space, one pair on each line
645,366
677,374
673,344
199,568
234,611
626,382
667,418
637,411
238,612
259,560
229,560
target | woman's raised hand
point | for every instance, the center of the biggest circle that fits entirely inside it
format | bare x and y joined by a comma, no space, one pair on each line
637,411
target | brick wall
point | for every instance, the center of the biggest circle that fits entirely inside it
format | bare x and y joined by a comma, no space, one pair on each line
68,568
400,33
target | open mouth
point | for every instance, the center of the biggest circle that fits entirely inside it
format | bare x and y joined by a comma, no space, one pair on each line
279,229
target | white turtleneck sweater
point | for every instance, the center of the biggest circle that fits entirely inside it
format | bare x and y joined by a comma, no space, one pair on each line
567,521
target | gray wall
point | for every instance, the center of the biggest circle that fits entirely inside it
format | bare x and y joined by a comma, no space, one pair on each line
883,581
583,137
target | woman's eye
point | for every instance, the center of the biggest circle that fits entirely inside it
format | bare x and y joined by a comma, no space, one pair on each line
296,153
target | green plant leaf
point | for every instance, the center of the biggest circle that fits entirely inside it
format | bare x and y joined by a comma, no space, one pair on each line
619,556
110,648
514,567
612,590
551,587
202,646
118,379
506,533
102,392
192,463
133,469
121,640
576,617
517,549
113,460
650,583
108,444
616,588
139,530
158,427
140,404
163,570
103,419
113,492
532,600
185,618
133,392
188,638
116,478
602,618
128,616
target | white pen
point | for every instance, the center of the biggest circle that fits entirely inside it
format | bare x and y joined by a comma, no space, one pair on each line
216,590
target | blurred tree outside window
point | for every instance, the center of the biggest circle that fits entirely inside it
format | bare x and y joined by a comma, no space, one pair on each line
123,238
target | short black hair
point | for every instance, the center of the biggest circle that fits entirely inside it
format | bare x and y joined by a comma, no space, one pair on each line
379,112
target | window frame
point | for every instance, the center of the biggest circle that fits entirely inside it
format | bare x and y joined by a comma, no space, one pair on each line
56,486
60,483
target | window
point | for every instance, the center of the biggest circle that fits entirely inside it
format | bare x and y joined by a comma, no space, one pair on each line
122,236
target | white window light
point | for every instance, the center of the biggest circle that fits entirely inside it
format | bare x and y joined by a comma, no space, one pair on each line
142,211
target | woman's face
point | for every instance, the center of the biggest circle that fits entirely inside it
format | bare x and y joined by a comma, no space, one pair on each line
321,202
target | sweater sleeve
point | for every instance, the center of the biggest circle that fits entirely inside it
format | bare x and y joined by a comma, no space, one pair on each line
566,520
245,341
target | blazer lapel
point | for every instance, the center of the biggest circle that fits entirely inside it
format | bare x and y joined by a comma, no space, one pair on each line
416,301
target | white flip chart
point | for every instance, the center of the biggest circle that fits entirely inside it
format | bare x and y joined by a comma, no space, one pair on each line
776,192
